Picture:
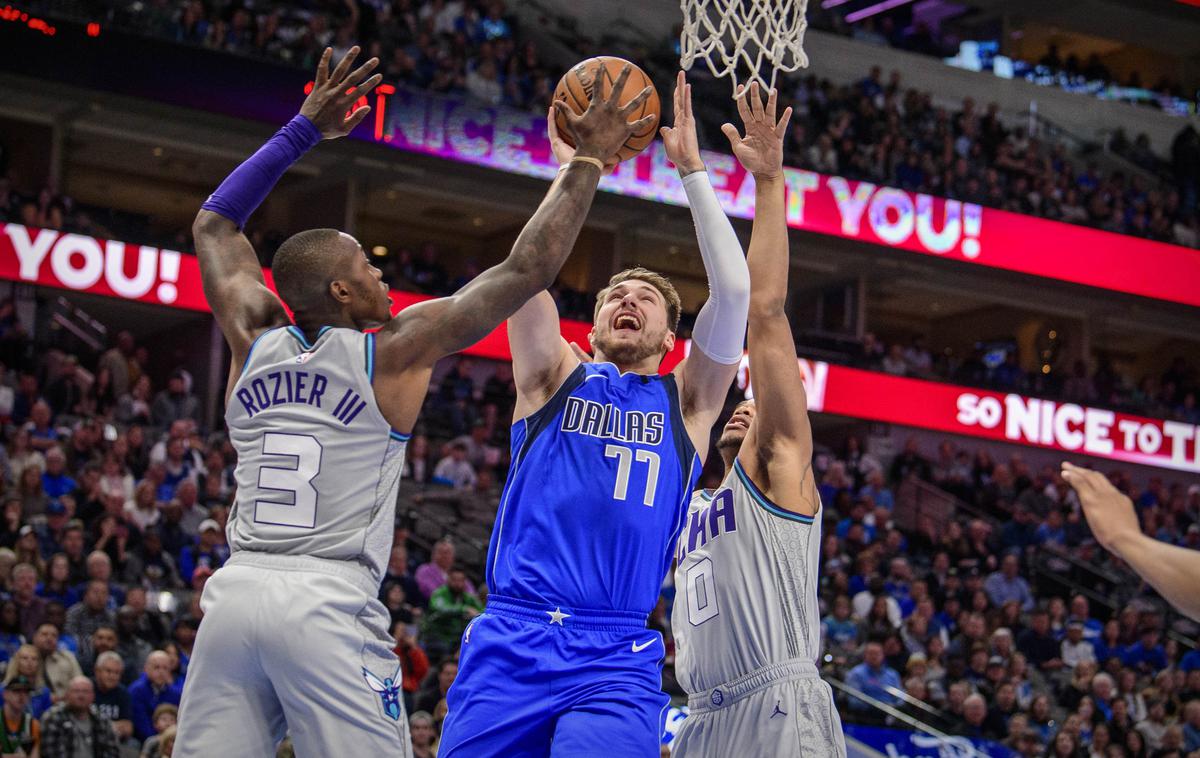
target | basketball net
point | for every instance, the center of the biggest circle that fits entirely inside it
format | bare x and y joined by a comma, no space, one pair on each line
744,34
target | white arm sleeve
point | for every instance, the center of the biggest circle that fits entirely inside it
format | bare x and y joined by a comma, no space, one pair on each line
720,329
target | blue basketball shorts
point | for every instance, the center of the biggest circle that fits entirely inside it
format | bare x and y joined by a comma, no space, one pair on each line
536,681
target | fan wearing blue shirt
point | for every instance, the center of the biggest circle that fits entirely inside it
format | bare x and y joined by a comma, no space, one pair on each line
55,481
151,690
1147,654
874,678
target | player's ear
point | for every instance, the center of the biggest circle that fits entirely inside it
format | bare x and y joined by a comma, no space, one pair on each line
669,342
339,291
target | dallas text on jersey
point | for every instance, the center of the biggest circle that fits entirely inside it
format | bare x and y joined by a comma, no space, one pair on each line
611,423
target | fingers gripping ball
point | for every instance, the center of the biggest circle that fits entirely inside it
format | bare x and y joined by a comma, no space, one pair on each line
576,88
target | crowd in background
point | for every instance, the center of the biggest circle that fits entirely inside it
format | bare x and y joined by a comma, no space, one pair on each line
1171,394
919,37
986,625
882,131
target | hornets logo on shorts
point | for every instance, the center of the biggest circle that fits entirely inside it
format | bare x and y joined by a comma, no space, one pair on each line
388,689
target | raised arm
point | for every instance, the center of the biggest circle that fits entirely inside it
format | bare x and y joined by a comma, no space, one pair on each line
542,359
232,276
720,329
777,452
1173,571
419,336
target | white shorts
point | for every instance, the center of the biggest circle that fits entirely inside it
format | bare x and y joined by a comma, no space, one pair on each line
780,711
285,647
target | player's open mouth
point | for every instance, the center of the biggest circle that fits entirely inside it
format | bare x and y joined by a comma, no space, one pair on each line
738,422
628,321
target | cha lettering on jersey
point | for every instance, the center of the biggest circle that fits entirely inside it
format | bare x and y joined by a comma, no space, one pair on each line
607,421
707,523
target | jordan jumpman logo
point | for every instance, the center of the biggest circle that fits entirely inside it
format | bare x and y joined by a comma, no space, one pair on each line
778,711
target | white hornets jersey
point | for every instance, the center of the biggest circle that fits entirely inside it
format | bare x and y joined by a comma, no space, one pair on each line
745,585
318,466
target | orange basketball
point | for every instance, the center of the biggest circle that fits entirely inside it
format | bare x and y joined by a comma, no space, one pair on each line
576,86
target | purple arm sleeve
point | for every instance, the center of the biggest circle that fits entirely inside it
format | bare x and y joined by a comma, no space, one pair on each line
245,189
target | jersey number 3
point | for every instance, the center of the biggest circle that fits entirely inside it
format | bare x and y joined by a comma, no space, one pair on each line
294,498
625,458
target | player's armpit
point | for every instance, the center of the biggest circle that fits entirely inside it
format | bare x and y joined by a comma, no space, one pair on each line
703,386
233,283
542,359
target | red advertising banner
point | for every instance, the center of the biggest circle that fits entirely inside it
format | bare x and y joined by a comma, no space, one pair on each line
168,278
1005,417
159,277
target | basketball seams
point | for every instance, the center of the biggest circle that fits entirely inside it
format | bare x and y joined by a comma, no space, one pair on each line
579,85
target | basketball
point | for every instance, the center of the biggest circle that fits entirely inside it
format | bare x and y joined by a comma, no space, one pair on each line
576,86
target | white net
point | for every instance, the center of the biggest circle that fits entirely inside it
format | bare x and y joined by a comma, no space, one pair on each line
749,36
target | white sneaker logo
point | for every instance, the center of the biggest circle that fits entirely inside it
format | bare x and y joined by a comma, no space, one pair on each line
639,648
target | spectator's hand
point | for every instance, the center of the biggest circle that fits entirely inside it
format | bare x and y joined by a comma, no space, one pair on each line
760,151
563,153
683,147
334,93
1109,513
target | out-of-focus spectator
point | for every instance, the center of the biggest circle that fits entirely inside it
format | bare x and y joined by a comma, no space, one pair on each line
455,469
451,608
165,717
436,572
1075,649
26,662
58,666
151,690
112,699
209,552
22,732
1147,654
874,678
31,609
75,728
1006,585
91,612
175,403
437,685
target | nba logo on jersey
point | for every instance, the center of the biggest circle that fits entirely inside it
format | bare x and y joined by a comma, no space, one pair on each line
303,358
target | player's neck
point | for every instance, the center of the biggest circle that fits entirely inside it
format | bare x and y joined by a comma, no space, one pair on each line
728,456
311,322
647,366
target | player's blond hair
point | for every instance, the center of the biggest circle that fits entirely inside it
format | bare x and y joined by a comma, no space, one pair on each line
659,282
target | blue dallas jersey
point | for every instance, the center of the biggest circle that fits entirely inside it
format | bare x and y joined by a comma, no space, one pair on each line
596,495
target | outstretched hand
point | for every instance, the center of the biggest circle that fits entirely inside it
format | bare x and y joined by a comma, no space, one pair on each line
680,141
334,92
1109,513
601,130
760,151
563,153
